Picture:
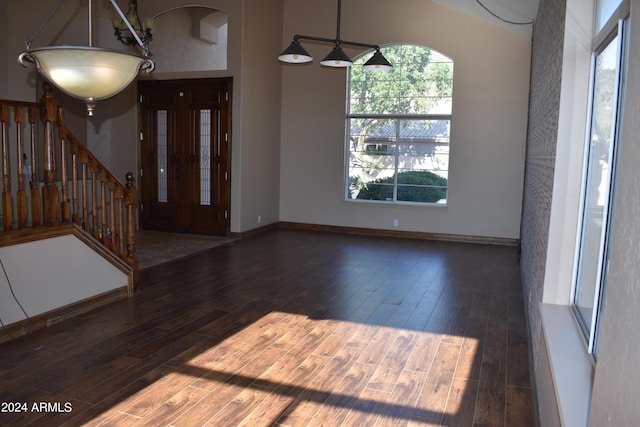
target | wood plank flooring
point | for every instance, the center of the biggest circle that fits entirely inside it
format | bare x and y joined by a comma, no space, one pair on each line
290,328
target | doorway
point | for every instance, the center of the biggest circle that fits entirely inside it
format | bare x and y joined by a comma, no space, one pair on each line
185,155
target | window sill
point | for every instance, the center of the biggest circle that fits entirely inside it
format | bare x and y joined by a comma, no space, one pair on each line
396,203
571,365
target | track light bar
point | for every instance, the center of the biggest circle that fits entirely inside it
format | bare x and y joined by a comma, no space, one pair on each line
296,54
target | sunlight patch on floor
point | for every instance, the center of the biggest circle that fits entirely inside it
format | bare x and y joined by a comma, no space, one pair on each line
389,373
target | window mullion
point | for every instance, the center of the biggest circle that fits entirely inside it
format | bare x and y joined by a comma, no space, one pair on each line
401,116
396,161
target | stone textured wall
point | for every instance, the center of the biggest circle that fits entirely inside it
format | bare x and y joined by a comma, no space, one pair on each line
544,105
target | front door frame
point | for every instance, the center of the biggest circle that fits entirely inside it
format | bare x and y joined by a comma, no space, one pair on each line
225,199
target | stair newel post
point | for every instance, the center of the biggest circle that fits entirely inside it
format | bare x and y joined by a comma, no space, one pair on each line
50,194
7,201
35,191
21,195
130,202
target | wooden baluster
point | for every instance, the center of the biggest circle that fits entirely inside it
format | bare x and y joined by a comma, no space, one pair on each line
112,228
84,159
130,202
21,195
75,217
7,200
35,191
103,206
94,199
50,194
64,206
120,241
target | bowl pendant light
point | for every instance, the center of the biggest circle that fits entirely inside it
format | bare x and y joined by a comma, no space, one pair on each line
86,72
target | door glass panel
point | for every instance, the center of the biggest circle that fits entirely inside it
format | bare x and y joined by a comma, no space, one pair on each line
598,188
205,157
161,132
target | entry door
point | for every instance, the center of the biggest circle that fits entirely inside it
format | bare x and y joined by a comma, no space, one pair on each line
185,168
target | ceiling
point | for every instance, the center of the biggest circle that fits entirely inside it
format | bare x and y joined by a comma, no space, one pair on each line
510,10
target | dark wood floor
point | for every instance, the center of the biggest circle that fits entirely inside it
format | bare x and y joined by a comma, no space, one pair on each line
291,328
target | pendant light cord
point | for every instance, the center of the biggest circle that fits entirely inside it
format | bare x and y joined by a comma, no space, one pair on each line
501,18
4,327
338,19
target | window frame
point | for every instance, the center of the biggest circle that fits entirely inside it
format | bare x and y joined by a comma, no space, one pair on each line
395,143
615,27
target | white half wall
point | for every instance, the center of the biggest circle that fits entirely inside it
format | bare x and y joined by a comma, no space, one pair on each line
52,273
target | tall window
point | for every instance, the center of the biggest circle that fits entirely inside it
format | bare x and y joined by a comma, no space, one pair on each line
600,167
398,128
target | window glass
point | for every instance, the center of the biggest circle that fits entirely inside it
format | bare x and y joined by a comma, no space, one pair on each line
161,135
205,157
598,188
398,128
604,11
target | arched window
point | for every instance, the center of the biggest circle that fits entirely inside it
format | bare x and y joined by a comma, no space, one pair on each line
398,128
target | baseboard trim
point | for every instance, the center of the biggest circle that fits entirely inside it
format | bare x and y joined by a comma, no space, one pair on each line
399,234
255,231
37,323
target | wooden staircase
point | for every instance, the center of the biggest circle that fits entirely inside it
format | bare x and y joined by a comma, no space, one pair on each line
52,184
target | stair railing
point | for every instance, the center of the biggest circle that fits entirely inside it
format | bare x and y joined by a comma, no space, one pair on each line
81,191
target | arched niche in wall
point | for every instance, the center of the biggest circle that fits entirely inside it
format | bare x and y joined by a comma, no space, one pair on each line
191,38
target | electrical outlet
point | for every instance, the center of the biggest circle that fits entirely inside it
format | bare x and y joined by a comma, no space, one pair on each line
259,219
395,222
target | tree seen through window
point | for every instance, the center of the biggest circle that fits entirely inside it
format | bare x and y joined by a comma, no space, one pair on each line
398,127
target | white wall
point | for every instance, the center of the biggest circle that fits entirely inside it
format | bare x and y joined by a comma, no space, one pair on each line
52,273
491,81
4,84
258,175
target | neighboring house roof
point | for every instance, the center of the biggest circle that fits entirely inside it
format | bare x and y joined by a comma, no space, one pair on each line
417,130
